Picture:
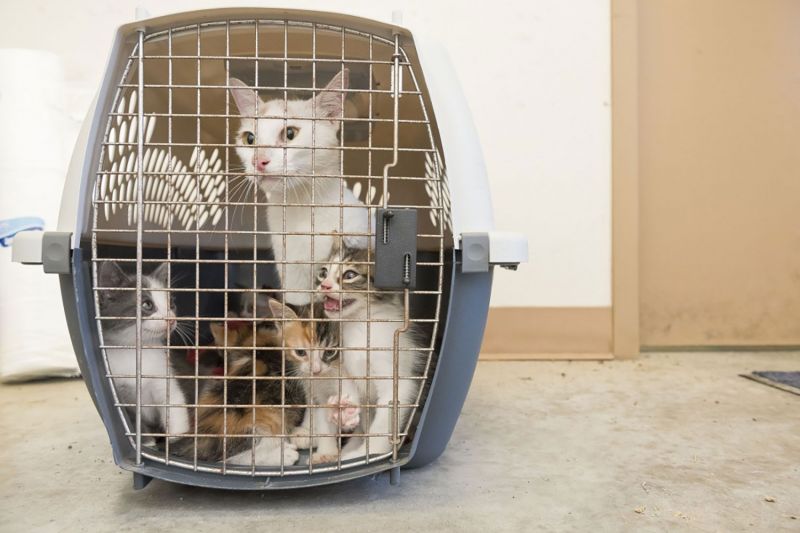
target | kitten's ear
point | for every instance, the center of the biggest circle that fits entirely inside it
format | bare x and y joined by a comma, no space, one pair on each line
245,98
218,332
336,248
278,310
329,100
111,275
161,274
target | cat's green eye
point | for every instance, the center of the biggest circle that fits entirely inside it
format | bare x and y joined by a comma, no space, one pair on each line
300,353
290,133
248,137
350,274
323,273
329,355
147,306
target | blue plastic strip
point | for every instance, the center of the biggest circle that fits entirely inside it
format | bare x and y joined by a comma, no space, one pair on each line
10,227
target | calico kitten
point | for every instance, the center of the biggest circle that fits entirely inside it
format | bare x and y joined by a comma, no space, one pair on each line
298,338
343,290
284,149
158,321
341,414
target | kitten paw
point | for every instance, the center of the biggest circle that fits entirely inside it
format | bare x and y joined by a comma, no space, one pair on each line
319,458
267,453
345,413
290,454
301,438
148,442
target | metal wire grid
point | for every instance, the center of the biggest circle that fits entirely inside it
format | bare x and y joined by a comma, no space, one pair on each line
433,183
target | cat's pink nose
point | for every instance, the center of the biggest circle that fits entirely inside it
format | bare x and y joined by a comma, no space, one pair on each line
326,285
262,164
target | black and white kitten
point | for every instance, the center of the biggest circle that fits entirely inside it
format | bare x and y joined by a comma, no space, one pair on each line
158,321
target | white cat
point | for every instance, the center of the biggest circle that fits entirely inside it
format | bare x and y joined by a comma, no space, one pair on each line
158,314
343,290
288,153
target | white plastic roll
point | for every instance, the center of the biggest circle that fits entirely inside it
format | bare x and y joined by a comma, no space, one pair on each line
34,341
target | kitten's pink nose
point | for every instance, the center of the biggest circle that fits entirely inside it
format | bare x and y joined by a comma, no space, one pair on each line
325,285
262,164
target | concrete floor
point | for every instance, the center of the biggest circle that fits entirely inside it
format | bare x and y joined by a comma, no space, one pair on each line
665,442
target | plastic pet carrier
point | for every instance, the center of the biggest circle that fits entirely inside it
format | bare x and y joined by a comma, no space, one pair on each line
275,248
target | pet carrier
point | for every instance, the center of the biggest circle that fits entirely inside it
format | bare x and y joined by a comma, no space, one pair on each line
244,180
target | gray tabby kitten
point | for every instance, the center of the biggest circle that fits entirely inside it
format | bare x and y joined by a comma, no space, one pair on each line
345,287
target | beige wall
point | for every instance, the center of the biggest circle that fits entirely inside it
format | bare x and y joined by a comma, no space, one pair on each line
719,123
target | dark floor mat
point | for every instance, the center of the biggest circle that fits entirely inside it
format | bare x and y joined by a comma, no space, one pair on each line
788,381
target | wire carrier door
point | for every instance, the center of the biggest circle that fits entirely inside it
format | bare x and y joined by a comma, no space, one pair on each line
175,199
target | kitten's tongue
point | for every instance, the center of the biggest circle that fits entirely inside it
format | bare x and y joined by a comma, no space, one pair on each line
331,304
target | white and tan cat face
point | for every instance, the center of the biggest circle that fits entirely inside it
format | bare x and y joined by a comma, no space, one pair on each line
343,283
279,142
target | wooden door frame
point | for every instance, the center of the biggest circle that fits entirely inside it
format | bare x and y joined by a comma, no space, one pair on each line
625,177
586,333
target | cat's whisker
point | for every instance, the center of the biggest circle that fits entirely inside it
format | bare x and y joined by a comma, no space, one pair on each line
186,337
184,331
232,192
232,195
240,200
176,279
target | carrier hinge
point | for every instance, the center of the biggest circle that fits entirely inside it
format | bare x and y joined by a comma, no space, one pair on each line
485,249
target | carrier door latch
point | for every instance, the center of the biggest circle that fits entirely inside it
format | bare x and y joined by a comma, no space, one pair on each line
484,249
396,248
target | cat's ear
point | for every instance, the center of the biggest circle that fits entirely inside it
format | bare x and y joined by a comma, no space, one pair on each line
278,310
161,274
245,98
218,332
111,275
329,100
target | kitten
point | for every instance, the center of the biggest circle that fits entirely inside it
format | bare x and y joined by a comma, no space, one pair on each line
342,289
342,414
298,338
158,321
284,151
